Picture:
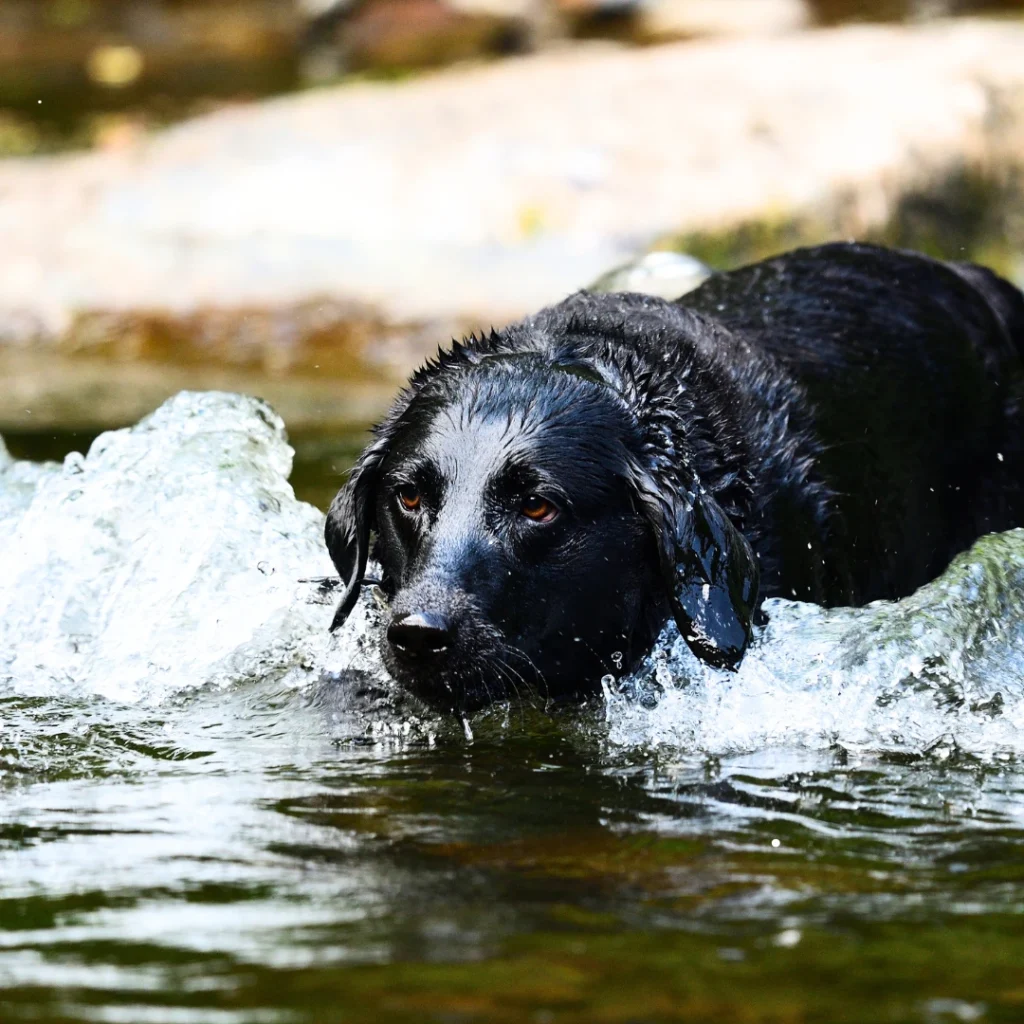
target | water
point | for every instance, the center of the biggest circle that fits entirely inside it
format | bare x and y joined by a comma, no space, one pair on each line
239,820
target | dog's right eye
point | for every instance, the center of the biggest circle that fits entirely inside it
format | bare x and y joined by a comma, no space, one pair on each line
539,509
409,497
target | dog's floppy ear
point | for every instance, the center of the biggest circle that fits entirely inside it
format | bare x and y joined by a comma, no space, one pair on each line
350,520
352,515
709,569
714,583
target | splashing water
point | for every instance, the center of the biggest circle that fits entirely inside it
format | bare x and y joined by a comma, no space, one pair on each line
940,671
167,558
171,557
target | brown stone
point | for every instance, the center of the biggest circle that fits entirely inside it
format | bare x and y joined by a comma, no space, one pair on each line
397,34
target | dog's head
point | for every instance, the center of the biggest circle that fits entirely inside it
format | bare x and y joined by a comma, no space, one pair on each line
534,532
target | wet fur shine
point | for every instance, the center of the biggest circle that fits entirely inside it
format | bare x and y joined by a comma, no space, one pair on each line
831,425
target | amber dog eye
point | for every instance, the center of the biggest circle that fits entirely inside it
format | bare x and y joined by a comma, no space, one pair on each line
409,497
539,509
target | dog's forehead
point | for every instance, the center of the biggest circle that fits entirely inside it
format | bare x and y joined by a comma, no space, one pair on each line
496,417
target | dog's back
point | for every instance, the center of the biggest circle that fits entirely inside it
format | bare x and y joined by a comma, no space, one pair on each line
913,373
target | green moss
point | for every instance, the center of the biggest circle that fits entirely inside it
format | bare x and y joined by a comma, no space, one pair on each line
898,971
970,214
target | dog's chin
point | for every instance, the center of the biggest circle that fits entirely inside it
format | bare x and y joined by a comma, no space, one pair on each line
454,690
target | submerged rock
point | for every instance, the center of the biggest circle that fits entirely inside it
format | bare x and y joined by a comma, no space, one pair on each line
172,555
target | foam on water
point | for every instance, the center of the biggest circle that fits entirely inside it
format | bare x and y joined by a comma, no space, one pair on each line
940,671
170,557
166,558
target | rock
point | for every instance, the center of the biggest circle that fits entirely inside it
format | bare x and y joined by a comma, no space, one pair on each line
668,275
344,232
660,20
485,193
397,35
834,12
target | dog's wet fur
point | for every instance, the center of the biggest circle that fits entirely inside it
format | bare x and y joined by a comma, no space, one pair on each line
831,425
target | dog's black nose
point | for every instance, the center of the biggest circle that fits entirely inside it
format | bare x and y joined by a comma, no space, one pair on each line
421,635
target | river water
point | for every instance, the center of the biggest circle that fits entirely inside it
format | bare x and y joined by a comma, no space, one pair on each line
835,833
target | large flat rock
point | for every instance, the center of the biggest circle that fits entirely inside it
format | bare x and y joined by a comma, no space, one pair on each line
342,233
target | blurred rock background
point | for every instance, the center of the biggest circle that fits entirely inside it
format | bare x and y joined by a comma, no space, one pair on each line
79,73
300,198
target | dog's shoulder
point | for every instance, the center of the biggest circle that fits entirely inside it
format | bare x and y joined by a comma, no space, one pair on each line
854,303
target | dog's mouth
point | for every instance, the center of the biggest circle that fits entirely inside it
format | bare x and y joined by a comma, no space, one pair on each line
456,690
456,673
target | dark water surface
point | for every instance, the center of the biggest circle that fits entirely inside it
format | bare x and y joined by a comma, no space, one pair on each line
236,856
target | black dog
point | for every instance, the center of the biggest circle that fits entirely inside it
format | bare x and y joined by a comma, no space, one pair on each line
837,423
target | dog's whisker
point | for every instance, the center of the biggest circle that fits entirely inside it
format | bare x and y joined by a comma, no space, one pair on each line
531,693
487,689
506,672
530,688
542,682
520,653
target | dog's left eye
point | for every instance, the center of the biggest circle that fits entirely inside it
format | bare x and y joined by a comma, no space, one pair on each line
539,509
409,497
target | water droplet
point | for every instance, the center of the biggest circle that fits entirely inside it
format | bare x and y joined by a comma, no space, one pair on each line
266,568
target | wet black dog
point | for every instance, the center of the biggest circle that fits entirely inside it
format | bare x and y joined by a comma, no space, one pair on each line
835,423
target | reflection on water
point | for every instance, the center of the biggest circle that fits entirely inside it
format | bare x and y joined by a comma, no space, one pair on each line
233,856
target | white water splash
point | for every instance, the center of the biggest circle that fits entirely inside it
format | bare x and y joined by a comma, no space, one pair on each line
170,557
940,671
